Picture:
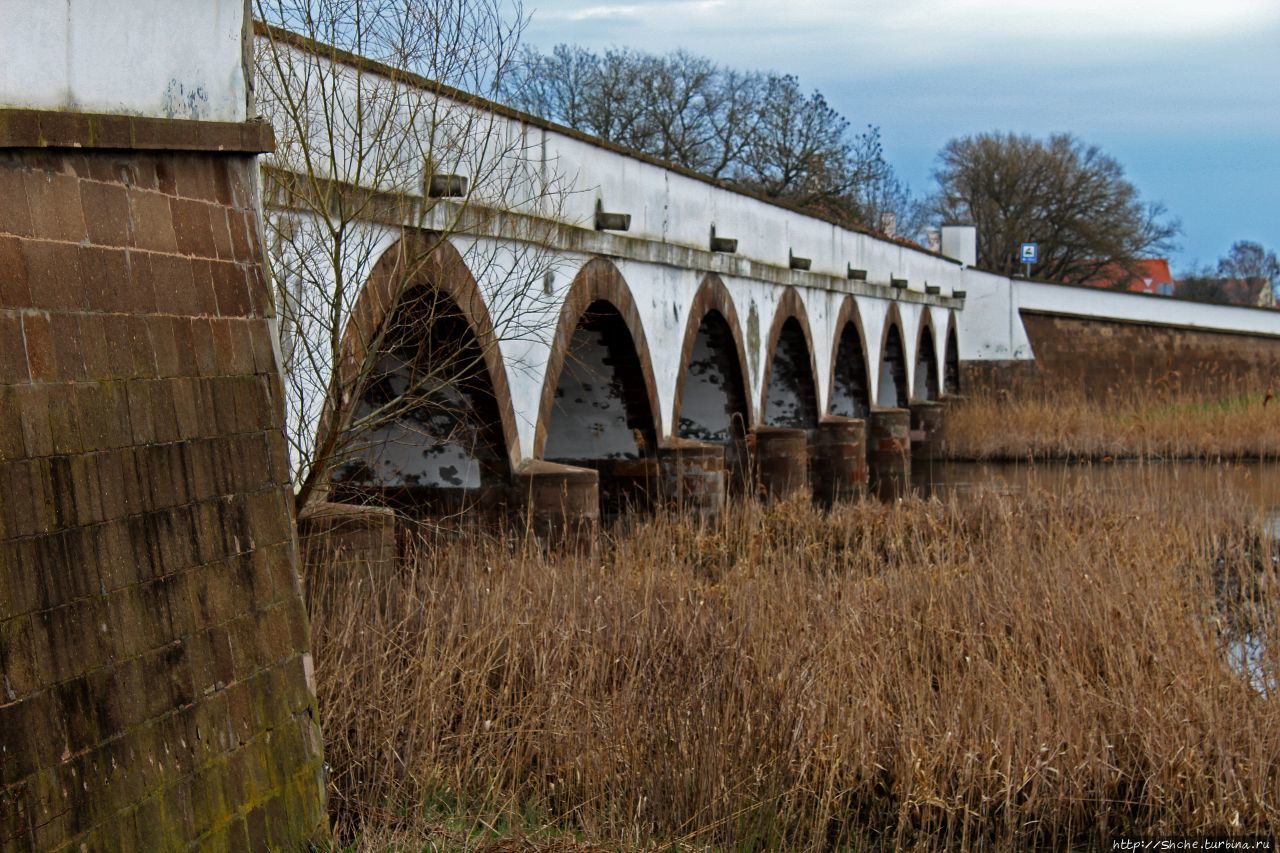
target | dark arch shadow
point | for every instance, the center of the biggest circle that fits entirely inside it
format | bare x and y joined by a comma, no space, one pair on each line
925,378
850,391
438,429
712,403
892,390
790,397
951,362
599,402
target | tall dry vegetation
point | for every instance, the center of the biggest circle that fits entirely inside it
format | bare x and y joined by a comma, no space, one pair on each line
992,672
1160,421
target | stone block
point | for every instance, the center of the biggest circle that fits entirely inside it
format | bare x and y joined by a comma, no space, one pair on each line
14,289
15,213
191,228
13,350
106,213
152,221
54,203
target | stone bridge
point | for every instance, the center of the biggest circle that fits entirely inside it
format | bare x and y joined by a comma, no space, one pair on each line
647,314
637,331
653,326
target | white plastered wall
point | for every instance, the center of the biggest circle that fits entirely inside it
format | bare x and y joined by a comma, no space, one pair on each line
164,59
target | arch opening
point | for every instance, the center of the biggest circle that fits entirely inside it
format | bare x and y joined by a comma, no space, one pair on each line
426,431
926,372
892,392
792,399
600,415
951,365
713,401
850,393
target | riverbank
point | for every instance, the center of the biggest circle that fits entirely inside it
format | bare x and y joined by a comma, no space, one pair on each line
1152,423
1045,669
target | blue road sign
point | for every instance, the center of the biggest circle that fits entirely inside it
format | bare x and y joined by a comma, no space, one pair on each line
1030,253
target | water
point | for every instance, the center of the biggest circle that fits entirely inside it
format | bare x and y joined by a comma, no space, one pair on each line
1257,483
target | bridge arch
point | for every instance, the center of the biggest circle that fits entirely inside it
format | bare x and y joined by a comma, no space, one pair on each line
951,358
789,385
891,389
436,369
849,394
925,374
711,389
599,397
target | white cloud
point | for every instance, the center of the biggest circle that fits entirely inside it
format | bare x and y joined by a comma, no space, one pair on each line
1183,91
905,32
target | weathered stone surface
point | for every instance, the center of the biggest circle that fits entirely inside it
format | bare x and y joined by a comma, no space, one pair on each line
928,430
154,687
838,460
781,461
889,452
562,502
693,476
1098,357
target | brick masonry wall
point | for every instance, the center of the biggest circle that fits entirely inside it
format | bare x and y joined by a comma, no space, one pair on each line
155,682
1101,357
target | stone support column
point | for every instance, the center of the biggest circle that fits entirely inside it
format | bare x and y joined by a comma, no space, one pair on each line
889,453
781,461
562,503
928,430
693,476
838,460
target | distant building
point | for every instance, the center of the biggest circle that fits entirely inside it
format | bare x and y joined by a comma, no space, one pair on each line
1150,275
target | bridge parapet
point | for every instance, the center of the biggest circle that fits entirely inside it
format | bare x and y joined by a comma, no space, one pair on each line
521,166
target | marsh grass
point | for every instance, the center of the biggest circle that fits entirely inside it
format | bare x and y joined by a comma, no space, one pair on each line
985,673
1157,421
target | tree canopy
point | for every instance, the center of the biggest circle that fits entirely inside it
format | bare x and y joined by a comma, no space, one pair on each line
756,130
1068,196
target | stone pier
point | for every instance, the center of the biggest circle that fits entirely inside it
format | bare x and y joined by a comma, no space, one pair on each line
693,477
889,452
838,460
562,503
781,461
928,430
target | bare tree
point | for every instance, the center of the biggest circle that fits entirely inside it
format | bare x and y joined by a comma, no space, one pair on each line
680,107
759,131
1250,262
1068,196
384,142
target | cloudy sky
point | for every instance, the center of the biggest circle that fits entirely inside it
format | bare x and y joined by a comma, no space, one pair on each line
1185,93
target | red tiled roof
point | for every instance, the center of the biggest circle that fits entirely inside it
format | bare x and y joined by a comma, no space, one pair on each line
1150,274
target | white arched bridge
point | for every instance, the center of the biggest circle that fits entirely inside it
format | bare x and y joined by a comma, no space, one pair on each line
617,320
585,325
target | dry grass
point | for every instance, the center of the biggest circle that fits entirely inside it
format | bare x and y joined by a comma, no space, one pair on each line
987,673
1156,422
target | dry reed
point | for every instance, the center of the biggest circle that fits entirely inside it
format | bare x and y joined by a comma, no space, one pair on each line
971,674
1159,421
